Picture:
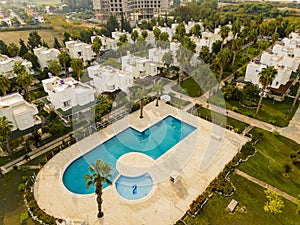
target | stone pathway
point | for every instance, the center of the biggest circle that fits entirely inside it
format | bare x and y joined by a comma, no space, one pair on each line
267,186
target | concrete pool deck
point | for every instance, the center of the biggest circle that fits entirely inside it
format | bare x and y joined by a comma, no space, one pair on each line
198,158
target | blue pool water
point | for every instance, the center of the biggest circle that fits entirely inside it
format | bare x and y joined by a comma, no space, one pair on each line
133,188
154,142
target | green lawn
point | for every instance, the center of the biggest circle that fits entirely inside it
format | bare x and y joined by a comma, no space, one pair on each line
12,204
189,87
268,163
251,197
273,112
221,119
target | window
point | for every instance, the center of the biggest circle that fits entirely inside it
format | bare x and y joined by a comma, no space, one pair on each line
66,104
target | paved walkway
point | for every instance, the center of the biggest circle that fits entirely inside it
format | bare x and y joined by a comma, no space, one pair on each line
267,186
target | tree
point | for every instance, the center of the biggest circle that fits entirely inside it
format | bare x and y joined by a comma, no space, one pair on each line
274,204
96,46
111,25
204,54
23,48
56,44
54,67
140,94
236,47
134,35
216,47
236,27
64,59
33,59
77,66
224,34
196,30
168,58
13,50
222,59
34,40
179,32
6,127
144,34
45,44
4,84
3,48
266,77
250,91
298,92
144,24
19,68
188,43
67,37
156,33
164,37
122,40
275,37
101,172
158,88
24,80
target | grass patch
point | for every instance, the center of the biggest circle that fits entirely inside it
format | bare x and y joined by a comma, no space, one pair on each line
251,197
221,119
189,87
273,153
276,113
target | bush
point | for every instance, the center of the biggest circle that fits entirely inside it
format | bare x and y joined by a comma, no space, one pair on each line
287,168
21,187
246,151
24,216
15,167
197,204
235,109
24,169
276,133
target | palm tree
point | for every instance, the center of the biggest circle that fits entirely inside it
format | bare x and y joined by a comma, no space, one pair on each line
168,58
236,46
6,127
19,68
101,172
158,88
134,35
64,58
266,77
24,80
77,66
222,59
4,84
96,46
224,33
140,94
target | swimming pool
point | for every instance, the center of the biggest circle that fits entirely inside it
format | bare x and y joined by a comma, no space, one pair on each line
154,142
134,188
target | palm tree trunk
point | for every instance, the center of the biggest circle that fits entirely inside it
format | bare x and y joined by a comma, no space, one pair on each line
296,99
8,149
233,60
141,106
78,75
220,78
156,100
99,199
260,101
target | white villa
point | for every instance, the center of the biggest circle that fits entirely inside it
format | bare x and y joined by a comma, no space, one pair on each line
80,50
191,24
21,113
7,65
109,79
107,43
117,34
156,54
46,55
65,94
139,67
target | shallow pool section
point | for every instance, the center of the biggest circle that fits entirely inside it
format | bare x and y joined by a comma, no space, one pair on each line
134,188
153,141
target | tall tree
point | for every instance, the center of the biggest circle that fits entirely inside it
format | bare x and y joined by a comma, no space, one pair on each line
224,34
4,84
6,127
67,37
64,59
96,45
112,24
168,58
134,35
144,34
236,27
156,32
158,88
236,47
298,92
100,173
196,30
23,48
222,58
13,50
266,77
140,94
204,54
54,67
33,59
56,44
77,66
24,80
3,48
19,68
34,40
122,40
